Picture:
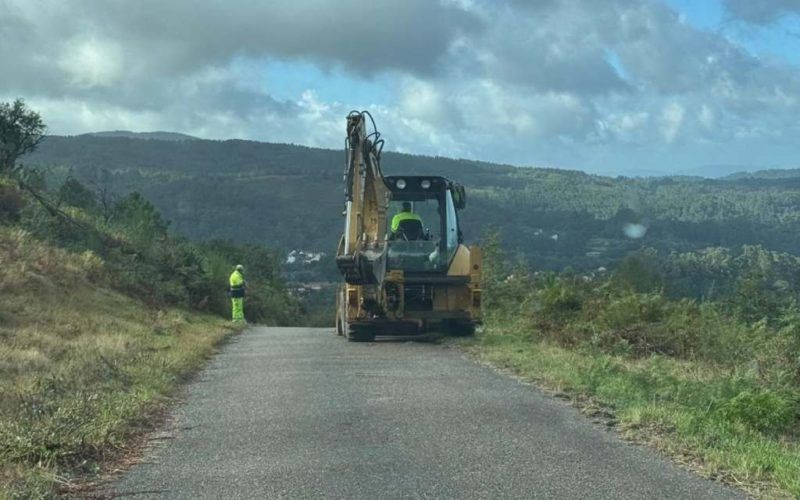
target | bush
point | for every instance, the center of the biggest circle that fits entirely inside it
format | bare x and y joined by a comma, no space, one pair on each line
640,272
760,295
634,308
506,285
11,202
559,297
766,411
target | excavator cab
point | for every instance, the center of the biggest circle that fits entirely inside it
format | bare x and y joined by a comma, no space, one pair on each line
427,243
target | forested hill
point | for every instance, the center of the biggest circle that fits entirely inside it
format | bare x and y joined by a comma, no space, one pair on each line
161,136
786,173
290,197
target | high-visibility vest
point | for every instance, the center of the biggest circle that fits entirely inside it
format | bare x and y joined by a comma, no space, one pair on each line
400,217
237,284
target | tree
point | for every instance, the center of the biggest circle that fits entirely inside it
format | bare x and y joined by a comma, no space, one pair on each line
75,194
140,219
21,131
104,194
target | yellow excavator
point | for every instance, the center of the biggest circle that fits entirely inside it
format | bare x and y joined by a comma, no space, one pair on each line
405,267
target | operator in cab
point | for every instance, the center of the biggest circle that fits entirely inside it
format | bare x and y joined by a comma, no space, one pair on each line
406,224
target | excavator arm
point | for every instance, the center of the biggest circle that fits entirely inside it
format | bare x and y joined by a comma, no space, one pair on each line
361,256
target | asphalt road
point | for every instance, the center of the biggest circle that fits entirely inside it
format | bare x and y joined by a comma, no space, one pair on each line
301,413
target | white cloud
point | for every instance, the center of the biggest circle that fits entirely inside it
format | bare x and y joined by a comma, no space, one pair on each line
91,62
425,101
706,117
75,116
575,83
671,121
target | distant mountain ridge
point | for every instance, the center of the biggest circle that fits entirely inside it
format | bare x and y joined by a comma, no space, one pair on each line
291,197
785,173
713,171
157,135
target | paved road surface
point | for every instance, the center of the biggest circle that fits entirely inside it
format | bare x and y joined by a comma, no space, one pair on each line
301,413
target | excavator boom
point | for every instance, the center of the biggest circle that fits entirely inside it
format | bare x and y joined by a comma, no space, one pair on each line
362,254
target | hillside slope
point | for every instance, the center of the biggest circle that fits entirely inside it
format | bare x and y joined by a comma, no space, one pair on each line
103,312
290,197
82,367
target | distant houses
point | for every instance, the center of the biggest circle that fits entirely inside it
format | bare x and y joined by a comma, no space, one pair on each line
304,257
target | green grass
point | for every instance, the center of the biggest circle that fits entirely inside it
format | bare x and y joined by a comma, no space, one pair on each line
83,369
724,421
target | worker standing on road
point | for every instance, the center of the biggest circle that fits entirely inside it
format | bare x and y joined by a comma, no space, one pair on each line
237,290
404,214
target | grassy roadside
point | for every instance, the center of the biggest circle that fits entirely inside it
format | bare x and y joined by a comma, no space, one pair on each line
82,367
721,421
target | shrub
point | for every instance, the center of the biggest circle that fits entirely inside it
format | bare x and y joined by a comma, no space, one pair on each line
778,353
760,295
640,272
560,297
634,308
766,411
11,202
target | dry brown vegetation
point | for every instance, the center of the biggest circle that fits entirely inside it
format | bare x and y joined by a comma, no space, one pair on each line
82,367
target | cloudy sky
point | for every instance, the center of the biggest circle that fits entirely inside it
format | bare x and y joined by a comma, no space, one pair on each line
609,86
